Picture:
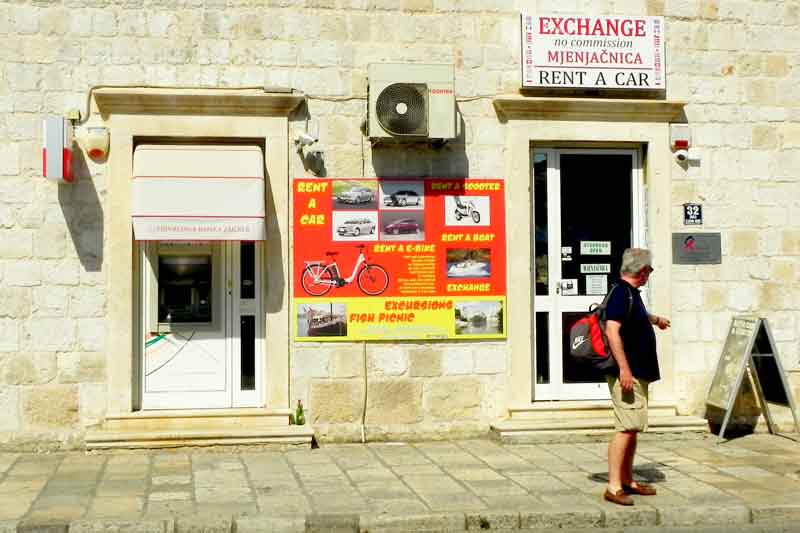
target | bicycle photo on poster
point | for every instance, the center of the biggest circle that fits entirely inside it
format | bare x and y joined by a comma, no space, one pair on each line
320,276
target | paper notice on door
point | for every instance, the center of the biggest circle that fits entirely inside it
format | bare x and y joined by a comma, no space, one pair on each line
596,284
595,268
569,287
566,253
595,247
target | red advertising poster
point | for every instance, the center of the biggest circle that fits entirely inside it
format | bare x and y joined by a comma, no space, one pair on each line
399,258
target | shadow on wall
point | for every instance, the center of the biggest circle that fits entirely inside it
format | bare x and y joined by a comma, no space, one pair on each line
274,275
83,213
398,159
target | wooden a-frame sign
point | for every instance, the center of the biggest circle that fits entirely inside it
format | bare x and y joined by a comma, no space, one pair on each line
750,350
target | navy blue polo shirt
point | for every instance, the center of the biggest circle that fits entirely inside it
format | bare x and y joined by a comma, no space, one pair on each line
638,336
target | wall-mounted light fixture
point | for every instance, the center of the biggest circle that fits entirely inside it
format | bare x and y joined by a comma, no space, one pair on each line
94,140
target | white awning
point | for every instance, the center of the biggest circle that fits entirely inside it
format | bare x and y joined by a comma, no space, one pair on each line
198,193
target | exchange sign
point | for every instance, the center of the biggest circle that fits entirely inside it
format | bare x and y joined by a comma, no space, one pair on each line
613,52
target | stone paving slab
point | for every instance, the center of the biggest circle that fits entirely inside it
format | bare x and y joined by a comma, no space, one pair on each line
747,484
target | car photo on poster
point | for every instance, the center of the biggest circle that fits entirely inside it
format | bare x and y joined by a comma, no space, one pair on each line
468,263
354,194
466,211
355,226
406,226
402,195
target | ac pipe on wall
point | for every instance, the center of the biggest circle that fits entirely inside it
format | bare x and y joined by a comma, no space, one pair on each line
364,407
84,118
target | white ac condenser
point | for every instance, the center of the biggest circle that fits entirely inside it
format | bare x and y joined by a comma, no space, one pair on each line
412,102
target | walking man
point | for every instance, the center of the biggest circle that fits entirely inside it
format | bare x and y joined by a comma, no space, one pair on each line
629,328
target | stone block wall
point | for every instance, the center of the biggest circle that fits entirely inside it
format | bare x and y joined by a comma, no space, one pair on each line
737,64
732,66
52,272
412,390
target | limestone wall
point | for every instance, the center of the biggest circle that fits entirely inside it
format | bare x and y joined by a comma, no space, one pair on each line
737,72
736,63
445,389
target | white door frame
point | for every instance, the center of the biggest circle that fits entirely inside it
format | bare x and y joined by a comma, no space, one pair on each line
227,310
553,303
241,307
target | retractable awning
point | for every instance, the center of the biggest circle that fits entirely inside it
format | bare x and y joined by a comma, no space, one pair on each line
198,192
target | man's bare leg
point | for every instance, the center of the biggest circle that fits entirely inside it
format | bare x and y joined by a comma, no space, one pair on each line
627,467
617,455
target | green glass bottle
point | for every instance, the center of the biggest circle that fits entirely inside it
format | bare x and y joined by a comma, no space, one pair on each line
299,416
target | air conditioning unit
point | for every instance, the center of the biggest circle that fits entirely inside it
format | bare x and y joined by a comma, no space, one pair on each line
412,102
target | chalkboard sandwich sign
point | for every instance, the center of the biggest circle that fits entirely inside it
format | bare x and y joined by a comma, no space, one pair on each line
750,350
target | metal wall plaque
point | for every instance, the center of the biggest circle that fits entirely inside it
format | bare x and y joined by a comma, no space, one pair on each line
696,248
750,351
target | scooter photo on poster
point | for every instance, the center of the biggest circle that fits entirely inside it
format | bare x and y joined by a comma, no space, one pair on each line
466,211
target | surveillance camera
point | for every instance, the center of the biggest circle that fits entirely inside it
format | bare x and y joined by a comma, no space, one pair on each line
681,155
305,139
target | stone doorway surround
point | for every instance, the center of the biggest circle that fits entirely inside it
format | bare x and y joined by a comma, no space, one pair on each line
219,114
581,122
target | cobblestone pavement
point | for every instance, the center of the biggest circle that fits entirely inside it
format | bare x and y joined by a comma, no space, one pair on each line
748,484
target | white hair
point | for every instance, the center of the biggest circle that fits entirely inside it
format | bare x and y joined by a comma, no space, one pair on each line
634,260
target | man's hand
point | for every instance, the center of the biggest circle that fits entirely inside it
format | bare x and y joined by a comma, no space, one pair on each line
626,379
618,351
660,322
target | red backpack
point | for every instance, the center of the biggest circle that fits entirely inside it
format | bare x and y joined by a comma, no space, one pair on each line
587,337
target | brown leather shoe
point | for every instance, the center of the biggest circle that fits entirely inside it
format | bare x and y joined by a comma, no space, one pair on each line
618,497
641,489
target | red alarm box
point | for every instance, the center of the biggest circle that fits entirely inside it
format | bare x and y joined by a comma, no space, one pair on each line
57,149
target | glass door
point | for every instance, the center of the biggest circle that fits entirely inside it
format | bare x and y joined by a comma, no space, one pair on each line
202,338
586,212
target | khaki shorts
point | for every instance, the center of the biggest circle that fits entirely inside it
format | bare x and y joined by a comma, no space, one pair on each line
630,408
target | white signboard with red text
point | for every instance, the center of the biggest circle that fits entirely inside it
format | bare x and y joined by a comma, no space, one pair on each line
610,52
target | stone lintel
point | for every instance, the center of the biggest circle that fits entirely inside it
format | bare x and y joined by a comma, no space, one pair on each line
519,107
173,101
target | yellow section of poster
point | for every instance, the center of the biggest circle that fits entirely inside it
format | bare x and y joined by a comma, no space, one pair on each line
352,319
